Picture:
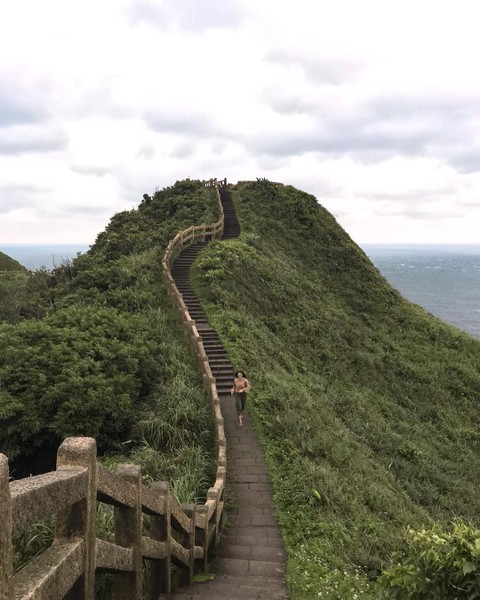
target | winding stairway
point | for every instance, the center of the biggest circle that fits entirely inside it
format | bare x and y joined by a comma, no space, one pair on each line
250,560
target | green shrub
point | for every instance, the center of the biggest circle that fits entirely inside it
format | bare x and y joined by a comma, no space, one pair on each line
77,372
437,565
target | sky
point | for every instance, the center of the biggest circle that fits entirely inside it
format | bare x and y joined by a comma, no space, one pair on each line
373,106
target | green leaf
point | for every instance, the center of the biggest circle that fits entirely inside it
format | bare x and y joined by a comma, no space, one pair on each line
468,567
202,577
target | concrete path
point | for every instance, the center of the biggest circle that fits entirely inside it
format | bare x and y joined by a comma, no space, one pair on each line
250,561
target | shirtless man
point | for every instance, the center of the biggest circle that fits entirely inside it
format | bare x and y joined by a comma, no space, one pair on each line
241,386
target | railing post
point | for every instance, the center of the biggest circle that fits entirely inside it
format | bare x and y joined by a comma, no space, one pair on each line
187,573
201,536
161,530
6,546
205,378
211,382
197,341
212,494
79,519
128,533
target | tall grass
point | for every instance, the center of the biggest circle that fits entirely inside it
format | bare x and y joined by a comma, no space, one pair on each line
366,406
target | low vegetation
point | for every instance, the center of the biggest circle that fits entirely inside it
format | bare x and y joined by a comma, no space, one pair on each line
94,348
367,406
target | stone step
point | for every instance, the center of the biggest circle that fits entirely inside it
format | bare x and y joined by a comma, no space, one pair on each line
233,587
185,259
223,369
215,351
222,379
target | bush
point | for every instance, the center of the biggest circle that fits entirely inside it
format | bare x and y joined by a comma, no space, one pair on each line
77,372
437,564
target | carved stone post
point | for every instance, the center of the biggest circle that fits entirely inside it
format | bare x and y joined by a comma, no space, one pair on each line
79,519
197,340
222,474
161,530
201,537
189,541
211,386
6,548
128,533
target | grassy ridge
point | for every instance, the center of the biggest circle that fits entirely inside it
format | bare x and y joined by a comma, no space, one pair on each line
9,264
95,348
367,407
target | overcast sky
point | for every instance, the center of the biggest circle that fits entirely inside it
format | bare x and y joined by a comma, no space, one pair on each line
372,106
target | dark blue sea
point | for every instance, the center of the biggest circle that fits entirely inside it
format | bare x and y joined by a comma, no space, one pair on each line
445,280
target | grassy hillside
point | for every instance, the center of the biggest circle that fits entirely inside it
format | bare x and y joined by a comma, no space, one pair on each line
9,264
95,348
13,278
368,407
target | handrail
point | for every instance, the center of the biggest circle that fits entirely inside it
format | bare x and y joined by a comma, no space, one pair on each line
70,495
184,535
211,512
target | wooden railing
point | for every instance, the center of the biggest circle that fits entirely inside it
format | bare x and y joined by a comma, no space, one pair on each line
189,236
149,524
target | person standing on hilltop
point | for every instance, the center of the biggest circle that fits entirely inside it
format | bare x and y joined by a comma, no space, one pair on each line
241,386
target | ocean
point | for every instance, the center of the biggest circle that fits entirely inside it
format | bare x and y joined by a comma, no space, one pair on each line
35,256
445,280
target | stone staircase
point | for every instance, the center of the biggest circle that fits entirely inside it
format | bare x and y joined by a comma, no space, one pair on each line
217,357
250,560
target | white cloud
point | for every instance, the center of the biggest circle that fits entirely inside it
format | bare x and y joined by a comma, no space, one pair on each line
371,106
185,14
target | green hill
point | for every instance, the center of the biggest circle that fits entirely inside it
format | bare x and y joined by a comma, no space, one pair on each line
368,408
13,277
95,348
9,264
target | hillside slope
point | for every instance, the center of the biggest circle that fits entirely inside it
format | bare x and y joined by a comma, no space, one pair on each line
9,264
95,348
368,407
